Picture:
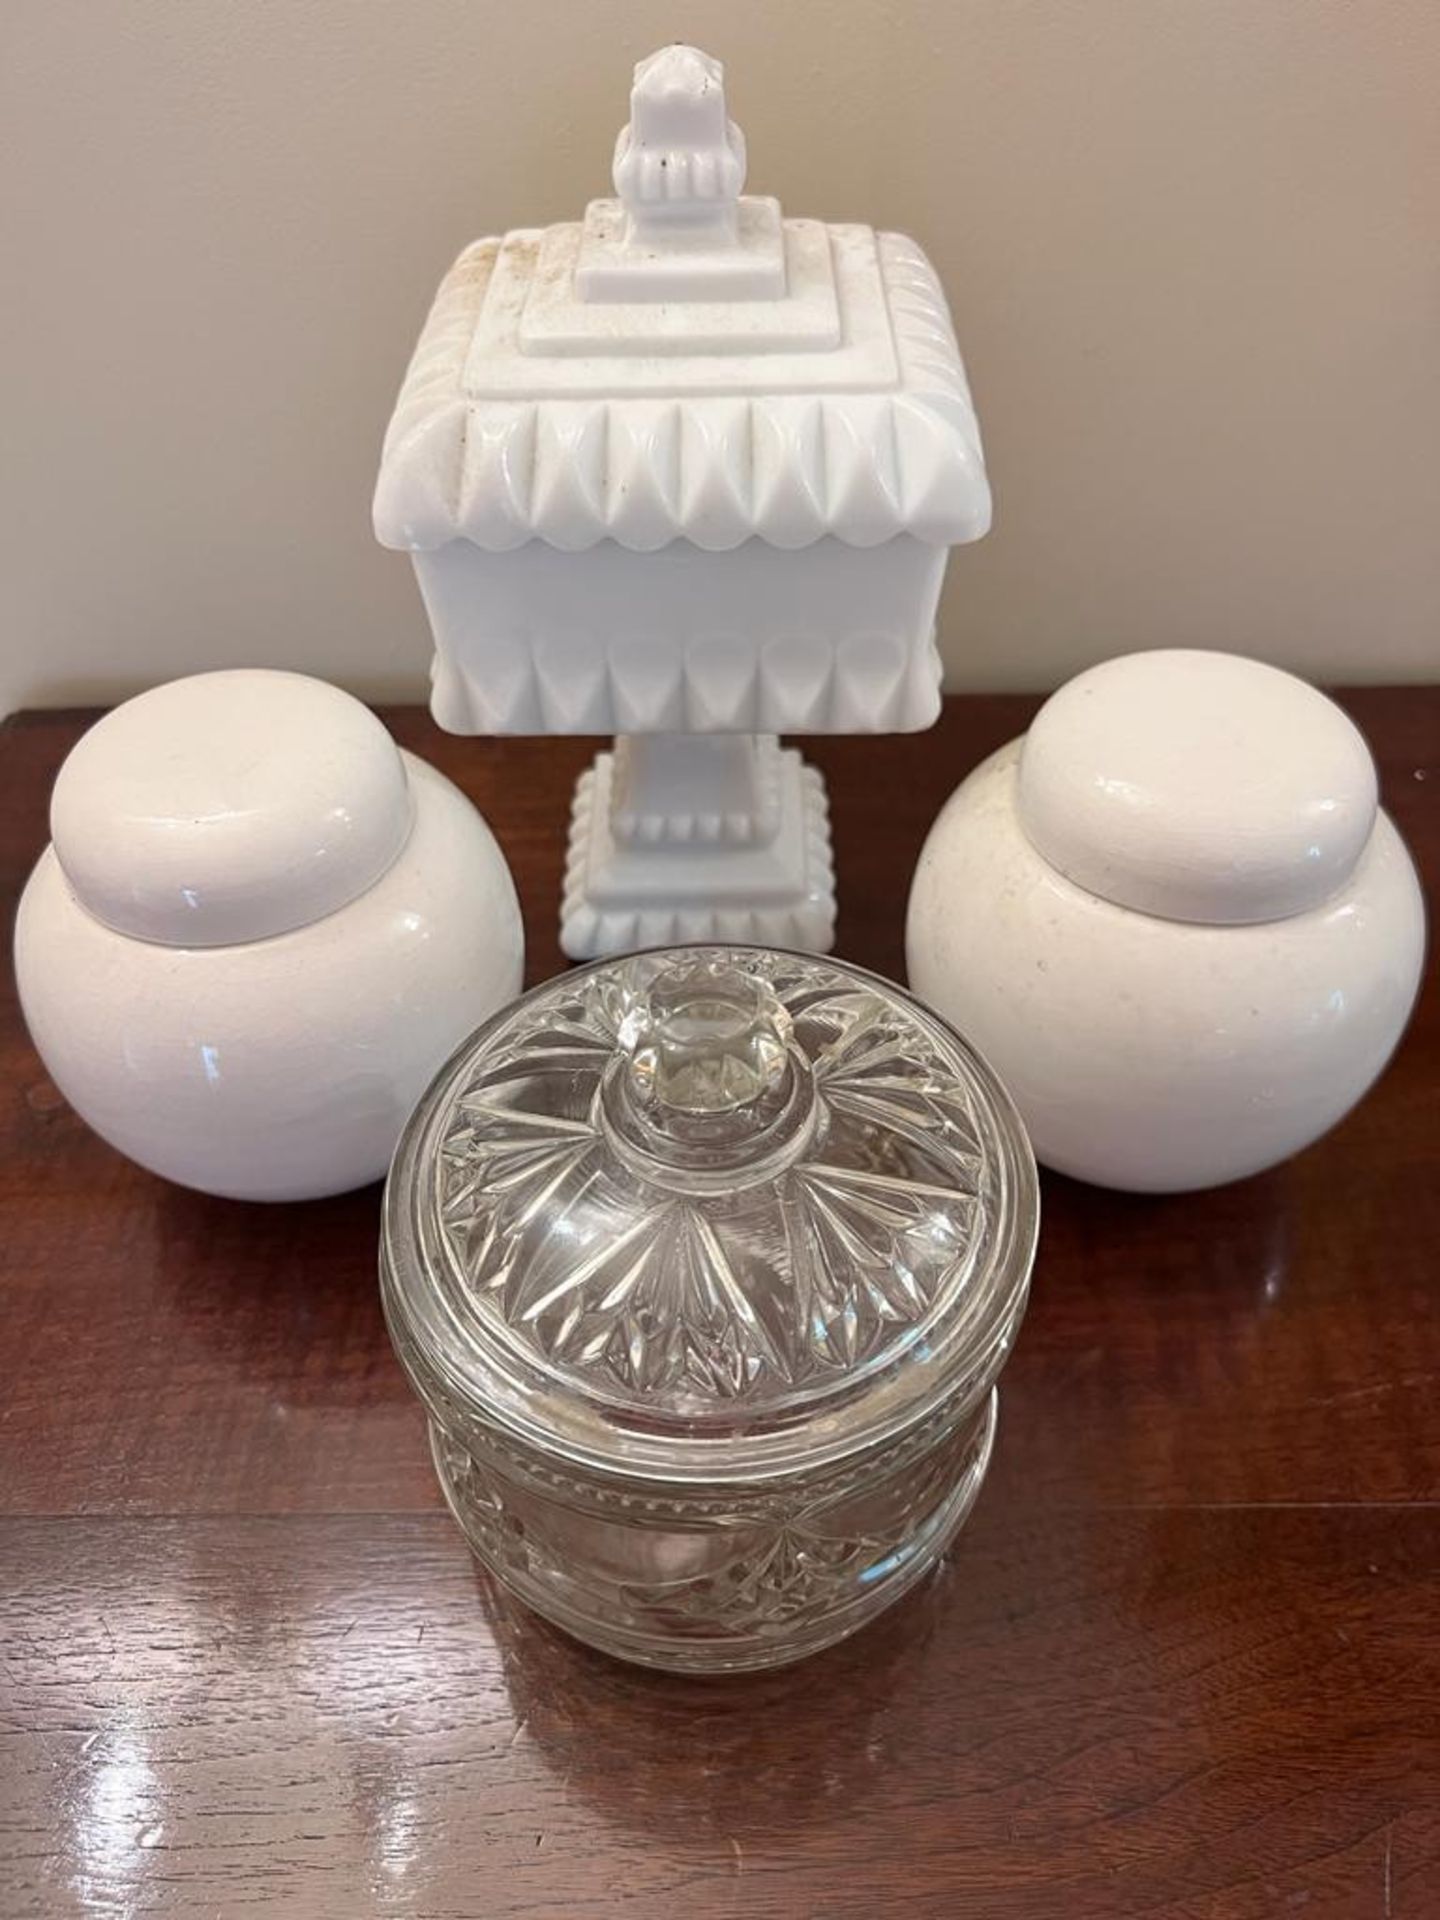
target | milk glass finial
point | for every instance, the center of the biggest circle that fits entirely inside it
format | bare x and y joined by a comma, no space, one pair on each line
680,164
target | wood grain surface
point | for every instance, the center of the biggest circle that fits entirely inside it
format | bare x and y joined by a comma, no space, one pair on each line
1183,1663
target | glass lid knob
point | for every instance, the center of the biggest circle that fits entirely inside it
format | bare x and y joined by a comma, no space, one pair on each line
705,1038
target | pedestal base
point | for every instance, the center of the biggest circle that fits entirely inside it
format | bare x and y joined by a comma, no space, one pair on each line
648,879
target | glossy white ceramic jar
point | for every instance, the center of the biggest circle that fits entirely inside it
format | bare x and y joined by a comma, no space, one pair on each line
259,929
1174,919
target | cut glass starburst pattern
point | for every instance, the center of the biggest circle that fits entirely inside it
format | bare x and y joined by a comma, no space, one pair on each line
675,1300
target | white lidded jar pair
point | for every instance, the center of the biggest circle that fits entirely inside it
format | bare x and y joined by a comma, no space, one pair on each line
258,930
1174,919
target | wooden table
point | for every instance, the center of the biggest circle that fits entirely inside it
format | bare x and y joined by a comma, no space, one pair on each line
1185,1660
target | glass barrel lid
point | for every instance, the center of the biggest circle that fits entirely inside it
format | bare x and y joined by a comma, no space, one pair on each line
713,1214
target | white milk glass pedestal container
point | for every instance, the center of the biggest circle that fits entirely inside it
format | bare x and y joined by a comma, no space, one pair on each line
687,472
705,1264
258,930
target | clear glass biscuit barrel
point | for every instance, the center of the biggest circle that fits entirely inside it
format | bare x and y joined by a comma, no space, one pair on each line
705,1264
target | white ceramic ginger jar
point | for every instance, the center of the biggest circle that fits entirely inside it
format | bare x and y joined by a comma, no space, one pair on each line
1174,919
259,929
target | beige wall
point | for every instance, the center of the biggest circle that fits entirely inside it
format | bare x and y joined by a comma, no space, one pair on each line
1193,248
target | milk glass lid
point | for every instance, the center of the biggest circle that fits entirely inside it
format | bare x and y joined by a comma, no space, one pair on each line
684,363
710,1212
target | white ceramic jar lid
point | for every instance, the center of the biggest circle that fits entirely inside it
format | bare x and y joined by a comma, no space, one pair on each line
228,807
1197,786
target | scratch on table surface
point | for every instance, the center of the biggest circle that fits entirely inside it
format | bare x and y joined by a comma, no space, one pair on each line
739,1852
1388,1849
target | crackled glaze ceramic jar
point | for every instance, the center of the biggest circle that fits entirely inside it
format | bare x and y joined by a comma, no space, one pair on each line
705,1265
258,930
